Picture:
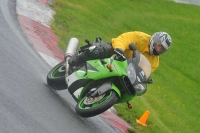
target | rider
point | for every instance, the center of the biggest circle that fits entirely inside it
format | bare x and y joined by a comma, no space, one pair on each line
150,46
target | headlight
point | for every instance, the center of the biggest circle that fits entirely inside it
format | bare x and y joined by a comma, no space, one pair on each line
131,73
140,89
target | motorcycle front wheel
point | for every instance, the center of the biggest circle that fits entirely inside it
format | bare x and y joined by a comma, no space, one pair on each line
91,106
56,77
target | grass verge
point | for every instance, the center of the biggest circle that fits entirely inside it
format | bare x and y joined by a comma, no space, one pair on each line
173,98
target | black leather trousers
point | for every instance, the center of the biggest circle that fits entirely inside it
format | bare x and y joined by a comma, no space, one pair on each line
94,52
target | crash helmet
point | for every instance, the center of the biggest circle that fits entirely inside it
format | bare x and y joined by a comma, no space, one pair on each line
162,38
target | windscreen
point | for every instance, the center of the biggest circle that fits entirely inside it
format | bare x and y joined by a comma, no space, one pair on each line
145,65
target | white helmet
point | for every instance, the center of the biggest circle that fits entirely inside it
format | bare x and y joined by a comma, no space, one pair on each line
160,37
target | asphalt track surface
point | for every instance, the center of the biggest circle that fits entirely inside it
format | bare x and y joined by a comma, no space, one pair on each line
27,105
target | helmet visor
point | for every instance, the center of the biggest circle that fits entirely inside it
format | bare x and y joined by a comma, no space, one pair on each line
160,49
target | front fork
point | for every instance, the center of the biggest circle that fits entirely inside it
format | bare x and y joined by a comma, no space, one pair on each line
106,87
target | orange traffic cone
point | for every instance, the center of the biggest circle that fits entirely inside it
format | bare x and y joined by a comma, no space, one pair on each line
143,118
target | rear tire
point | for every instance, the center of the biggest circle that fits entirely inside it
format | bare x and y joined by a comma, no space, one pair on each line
56,77
105,101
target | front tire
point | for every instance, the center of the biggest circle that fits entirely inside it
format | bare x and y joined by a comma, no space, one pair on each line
89,107
56,77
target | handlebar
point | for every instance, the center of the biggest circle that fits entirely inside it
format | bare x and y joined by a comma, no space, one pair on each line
119,56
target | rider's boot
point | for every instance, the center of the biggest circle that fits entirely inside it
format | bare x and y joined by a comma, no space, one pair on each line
76,60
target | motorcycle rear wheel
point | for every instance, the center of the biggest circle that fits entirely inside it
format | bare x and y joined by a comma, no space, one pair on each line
56,77
89,107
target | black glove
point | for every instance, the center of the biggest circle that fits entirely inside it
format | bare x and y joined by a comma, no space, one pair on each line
120,54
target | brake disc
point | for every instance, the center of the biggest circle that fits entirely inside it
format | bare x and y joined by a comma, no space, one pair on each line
91,100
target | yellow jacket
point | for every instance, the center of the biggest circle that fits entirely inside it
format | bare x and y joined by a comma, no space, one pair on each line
141,41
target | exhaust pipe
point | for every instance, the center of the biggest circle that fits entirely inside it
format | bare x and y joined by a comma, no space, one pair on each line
70,51
72,47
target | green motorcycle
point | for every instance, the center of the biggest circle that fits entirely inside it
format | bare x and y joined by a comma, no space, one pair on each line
99,84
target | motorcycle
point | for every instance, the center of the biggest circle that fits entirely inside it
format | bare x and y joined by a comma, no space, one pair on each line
99,84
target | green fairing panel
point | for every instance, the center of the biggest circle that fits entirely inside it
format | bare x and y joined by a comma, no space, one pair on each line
125,97
97,70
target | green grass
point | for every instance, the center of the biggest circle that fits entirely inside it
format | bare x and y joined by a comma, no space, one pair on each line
173,98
